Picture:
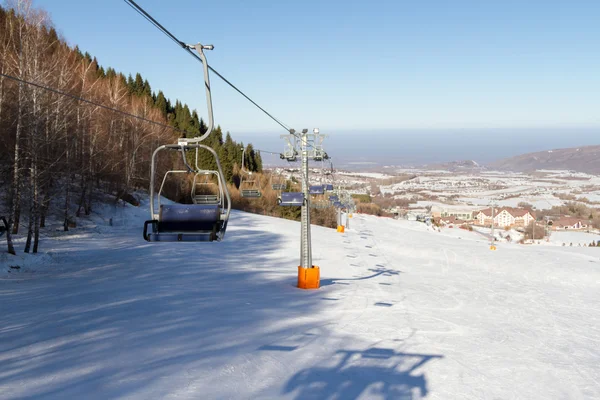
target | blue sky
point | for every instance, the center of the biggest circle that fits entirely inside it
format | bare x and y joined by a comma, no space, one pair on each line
356,65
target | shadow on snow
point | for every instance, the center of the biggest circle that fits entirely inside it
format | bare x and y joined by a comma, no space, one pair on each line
373,373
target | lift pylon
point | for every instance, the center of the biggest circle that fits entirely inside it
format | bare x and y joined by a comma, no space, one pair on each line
308,146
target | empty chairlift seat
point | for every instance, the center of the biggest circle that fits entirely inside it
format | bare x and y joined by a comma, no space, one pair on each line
329,188
337,204
317,189
278,186
292,199
333,199
206,199
185,223
320,204
251,193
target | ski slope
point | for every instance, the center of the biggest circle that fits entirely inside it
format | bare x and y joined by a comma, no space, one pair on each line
403,313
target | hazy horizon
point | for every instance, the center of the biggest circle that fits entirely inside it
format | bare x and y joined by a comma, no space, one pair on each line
419,146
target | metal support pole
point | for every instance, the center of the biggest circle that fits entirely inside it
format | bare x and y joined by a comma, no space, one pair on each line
305,241
492,239
347,219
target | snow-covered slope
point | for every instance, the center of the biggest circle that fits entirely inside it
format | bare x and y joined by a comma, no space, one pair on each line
403,312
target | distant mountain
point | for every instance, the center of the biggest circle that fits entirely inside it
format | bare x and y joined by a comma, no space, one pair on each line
581,159
457,166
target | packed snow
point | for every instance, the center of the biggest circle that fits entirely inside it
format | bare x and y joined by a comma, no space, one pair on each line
403,312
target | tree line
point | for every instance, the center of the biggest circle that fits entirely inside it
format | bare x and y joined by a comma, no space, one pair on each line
56,148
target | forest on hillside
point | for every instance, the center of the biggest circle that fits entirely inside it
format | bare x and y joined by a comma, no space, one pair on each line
59,148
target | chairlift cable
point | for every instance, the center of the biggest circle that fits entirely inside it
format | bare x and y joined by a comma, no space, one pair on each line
60,92
154,22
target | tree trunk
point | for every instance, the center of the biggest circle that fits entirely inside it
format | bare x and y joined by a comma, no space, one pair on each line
16,181
81,203
67,190
36,212
29,226
67,202
45,206
9,243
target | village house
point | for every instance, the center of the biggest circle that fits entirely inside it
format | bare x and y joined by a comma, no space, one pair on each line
505,217
451,220
461,212
569,223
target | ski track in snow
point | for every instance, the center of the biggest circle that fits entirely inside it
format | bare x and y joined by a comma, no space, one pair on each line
402,313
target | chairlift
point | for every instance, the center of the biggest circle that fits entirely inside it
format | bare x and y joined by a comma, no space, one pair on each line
316,189
203,179
318,199
278,182
291,199
196,222
249,186
289,152
320,202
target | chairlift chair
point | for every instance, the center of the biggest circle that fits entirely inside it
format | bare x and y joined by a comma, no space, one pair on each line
202,179
291,199
189,222
278,183
320,203
318,199
249,187
316,189
289,152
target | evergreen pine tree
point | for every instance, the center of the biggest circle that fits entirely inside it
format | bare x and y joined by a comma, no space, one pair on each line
138,86
161,103
146,90
130,84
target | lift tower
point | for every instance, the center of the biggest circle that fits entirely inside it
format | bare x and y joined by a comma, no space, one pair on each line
309,146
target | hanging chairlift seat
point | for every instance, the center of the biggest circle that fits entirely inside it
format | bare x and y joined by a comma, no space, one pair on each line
320,204
329,188
206,199
249,189
333,198
185,223
251,193
291,199
278,183
337,204
317,189
202,198
190,222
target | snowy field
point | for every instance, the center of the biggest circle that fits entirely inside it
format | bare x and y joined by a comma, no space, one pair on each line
403,313
505,188
577,238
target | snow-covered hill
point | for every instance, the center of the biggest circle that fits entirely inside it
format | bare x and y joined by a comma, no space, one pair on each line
403,312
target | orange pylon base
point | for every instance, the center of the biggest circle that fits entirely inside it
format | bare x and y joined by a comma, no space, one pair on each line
309,278
492,247
341,228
